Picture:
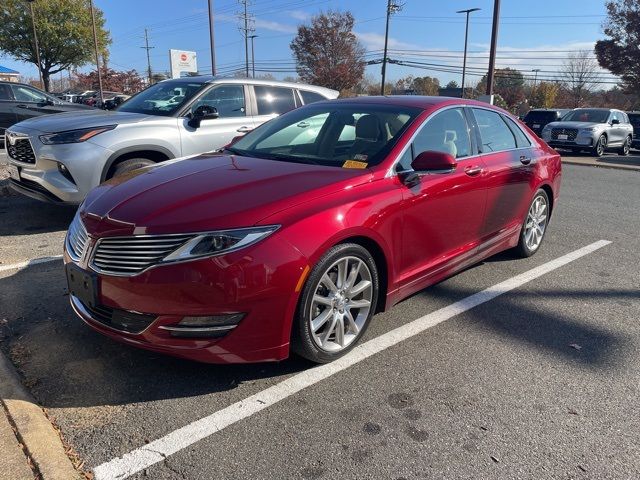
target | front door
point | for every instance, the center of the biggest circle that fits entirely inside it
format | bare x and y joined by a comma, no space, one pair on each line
444,212
212,134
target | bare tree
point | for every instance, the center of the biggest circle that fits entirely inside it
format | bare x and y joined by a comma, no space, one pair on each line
580,75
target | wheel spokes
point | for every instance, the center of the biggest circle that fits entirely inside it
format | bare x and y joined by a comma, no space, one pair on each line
327,282
359,288
321,319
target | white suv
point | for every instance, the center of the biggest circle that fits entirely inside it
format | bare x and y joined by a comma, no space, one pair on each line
61,157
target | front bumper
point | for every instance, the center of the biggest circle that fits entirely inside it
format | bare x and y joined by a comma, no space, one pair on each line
43,180
582,140
259,281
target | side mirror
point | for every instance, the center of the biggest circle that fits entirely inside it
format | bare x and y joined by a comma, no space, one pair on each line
615,121
436,162
203,112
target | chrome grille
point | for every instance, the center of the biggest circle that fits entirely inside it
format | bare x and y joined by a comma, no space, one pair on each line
571,133
76,239
131,255
21,150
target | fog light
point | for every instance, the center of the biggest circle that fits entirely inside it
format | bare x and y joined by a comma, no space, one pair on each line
213,326
65,173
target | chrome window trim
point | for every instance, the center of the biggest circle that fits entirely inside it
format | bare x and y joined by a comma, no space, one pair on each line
392,169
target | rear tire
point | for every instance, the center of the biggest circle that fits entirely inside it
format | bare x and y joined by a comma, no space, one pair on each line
626,146
337,303
534,226
129,165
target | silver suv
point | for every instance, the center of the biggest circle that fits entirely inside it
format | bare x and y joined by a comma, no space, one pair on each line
592,129
61,157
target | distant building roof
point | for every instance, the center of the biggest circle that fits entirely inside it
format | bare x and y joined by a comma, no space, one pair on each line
8,70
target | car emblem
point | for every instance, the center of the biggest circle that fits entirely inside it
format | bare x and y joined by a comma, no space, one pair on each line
86,254
11,137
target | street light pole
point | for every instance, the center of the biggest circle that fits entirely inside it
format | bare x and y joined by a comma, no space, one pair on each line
213,50
253,57
466,36
35,41
535,78
95,41
494,46
392,7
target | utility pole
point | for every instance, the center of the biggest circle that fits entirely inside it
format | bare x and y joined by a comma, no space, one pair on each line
147,48
253,56
246,30
95,41
494,46
213,50
35,41
535,78
466,36
393,6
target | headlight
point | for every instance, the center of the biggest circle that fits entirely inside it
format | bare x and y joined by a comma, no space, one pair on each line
216,243
589,130
74,136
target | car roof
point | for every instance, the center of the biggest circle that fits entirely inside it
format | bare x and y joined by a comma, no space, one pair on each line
252,81
421,101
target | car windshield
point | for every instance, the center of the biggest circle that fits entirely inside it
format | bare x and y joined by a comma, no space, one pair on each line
586,115
164,98
339,135
540,116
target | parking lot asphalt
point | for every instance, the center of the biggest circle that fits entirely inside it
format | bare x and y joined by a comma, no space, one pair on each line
541,382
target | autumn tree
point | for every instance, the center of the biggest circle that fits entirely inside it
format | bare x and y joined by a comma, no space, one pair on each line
619,53
327,52
452,84
128,82
508,83
65,35
544,94
418,85
580,75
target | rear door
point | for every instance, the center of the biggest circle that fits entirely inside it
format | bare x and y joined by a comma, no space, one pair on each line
509,158
443,214
7,114
617,132
230,101
271,101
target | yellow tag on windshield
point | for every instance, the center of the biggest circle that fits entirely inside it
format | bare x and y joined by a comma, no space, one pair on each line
354,164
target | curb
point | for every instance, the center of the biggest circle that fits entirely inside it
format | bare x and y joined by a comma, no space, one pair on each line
34,430
611,166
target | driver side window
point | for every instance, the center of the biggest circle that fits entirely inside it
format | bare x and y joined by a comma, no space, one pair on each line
26,94
445,132
227,99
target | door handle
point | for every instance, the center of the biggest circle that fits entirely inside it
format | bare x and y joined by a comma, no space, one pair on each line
22,106
525,160
244,129
473,171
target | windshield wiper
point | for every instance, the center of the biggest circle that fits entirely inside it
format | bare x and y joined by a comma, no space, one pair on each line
286,158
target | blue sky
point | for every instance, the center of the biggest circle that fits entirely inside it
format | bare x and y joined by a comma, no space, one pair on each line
534,34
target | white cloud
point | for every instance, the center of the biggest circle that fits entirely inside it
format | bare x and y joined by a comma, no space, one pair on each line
259,23
299,15
375,41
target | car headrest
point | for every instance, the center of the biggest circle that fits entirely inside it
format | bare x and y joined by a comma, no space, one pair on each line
368,128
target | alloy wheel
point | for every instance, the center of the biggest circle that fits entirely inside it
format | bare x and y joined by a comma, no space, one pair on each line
602,144
536,223
341,304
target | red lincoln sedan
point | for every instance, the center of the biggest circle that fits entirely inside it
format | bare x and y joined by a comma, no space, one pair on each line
294,236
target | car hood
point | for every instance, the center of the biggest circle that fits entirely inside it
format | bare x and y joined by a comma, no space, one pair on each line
208,192
60,122
575,124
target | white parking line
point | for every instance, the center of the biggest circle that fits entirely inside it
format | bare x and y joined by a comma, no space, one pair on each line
156,451
28,263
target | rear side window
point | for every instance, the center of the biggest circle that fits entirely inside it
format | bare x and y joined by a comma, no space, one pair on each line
496,136
274,99
310,97
541,117
26,94
521,138
5,93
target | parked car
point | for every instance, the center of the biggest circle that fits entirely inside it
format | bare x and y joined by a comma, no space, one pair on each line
19,102
538,118
95,101
112,103
294,236
634,119
592,129
61,159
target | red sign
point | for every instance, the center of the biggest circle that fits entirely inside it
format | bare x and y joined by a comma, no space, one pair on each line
183,57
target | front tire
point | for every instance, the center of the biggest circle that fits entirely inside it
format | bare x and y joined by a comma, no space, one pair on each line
600,146
535,225
337,303
626,147
129,165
